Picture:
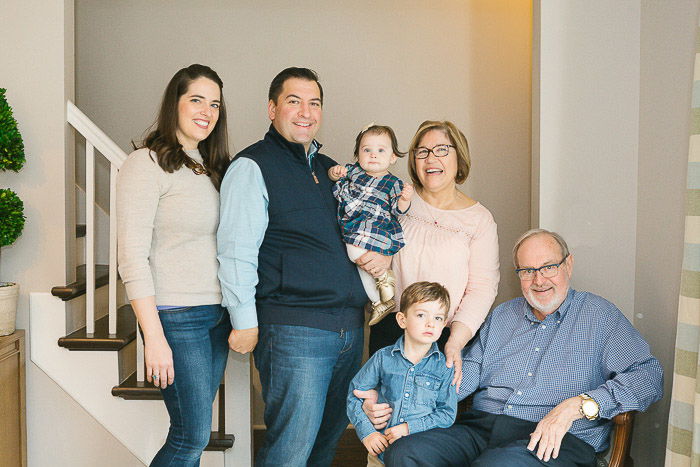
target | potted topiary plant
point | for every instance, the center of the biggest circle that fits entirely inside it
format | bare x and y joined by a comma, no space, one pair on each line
11,209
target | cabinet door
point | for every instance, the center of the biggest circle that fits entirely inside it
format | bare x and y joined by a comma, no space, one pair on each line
12,431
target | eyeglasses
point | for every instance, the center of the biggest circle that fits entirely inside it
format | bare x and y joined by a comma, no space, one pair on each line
440,150
548,271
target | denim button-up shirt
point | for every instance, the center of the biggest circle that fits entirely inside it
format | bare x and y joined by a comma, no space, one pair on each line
420,395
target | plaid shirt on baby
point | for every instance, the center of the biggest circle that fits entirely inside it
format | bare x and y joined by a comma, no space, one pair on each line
367,210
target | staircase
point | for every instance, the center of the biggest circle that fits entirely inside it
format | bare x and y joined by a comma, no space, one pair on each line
84,336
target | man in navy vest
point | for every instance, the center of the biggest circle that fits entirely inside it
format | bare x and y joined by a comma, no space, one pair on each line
292,293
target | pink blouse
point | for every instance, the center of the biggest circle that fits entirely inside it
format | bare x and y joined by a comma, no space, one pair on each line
456,248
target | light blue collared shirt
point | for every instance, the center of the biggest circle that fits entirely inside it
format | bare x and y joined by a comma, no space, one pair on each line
242,224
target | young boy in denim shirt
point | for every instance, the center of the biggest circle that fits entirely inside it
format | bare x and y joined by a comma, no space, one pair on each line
411,375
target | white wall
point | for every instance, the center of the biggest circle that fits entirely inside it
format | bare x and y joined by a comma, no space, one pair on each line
610,154
589,118
37,71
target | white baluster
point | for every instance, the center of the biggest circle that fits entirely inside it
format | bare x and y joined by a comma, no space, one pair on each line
90,237
113,249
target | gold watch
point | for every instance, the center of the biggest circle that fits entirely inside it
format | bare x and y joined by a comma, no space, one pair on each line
589,407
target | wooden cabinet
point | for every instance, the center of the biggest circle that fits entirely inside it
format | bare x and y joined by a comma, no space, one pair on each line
13,430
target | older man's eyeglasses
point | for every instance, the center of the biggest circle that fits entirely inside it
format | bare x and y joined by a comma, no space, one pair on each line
440,150
548,271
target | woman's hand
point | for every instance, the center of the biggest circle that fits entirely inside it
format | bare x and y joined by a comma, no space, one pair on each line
159,361
374,263
243,340
460,334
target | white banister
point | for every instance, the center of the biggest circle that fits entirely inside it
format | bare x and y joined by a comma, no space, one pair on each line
96,139
92,133
90,237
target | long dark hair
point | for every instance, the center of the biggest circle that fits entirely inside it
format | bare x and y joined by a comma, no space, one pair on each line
163,139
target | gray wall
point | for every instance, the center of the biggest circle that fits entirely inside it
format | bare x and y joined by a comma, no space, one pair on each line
395,62
668,31
612,105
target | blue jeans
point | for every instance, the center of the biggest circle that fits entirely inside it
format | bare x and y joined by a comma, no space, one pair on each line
305,375
198,338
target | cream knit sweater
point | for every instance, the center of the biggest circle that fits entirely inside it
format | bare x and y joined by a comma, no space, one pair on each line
167,226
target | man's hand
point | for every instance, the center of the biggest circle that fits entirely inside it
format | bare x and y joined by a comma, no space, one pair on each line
243,340
374,263
396,432
378,414
337,172
375,443
552,428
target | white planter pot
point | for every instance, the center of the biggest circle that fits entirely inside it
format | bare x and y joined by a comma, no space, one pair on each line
9,293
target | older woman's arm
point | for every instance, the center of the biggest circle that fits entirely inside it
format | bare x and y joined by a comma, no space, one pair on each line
479,294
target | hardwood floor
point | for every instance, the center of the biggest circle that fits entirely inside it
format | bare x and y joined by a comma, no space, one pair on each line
350,451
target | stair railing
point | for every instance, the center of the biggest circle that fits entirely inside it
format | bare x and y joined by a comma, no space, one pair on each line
97,139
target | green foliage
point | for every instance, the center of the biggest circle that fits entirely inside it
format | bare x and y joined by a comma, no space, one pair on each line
11,145
11,217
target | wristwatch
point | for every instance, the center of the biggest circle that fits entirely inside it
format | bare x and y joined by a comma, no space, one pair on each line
589,407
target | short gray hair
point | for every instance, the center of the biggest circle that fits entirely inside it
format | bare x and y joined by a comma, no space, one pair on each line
534,232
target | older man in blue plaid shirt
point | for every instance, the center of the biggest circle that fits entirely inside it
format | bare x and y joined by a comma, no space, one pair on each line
548,371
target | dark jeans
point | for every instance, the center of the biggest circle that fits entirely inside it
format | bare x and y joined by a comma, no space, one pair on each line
483,439
198,338
305,374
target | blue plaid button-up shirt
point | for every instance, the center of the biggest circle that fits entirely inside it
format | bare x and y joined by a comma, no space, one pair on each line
368,210
523,367
420,395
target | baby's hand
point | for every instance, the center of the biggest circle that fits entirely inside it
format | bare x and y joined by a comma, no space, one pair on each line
337,172
407,192
375,443
396,432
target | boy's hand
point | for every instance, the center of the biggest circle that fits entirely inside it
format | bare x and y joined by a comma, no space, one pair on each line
378,414
407,192
375,443
337,172
396,432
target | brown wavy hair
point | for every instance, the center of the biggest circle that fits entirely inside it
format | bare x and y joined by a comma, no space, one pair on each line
162,135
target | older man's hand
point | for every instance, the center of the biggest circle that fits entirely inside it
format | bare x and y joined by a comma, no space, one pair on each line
378,414
552,428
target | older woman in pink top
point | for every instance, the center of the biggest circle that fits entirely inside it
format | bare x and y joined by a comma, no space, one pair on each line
450,239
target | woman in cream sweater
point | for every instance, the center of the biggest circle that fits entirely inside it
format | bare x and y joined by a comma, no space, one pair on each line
167,216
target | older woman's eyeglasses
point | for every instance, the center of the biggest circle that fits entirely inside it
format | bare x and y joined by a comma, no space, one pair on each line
548,271
440,150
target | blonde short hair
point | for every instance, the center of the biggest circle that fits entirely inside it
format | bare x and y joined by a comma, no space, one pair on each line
457,139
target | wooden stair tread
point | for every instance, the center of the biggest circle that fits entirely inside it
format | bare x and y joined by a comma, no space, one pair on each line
77,288
101,339
220,441
131,389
